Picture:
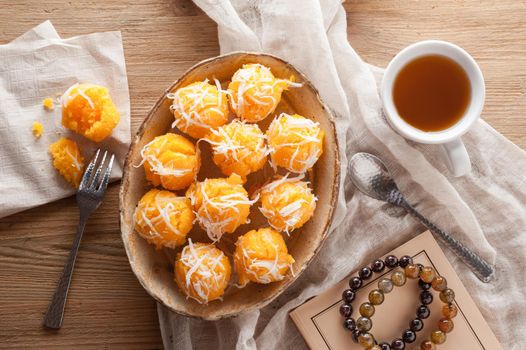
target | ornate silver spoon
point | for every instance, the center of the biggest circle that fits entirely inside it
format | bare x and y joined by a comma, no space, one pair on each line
371,177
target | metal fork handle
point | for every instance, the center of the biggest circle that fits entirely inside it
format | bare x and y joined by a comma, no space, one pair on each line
55,312
480,267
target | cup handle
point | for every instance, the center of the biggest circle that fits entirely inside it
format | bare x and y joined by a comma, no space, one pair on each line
457,157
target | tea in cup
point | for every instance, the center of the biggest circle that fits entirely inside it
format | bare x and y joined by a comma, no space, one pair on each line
432,92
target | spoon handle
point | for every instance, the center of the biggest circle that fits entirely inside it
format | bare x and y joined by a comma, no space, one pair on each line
482,269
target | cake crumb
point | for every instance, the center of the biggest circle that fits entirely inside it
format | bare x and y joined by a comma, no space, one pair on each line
48,104
68,160
37,129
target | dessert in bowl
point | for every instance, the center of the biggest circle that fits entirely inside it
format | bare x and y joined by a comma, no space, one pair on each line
232,166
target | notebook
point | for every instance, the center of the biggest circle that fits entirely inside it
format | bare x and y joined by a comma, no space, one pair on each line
320,323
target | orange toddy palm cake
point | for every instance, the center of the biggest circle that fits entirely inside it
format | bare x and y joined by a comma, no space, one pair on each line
255,93
198,108
164,219
68,160
202,271
221,205
88,110
238,148
295,142
170,161
287,203
262,257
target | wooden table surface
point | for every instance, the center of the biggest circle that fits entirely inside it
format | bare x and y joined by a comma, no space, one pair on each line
107,308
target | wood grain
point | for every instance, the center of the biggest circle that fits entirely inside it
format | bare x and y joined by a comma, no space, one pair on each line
107,308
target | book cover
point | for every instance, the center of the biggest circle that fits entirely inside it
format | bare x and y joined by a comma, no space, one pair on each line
320,322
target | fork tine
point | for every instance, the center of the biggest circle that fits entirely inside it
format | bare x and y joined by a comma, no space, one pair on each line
95,182
89,170
106,177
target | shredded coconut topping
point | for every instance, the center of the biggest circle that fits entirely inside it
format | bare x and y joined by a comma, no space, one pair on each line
225,210
228,143
151,155
74,159
191,102
306,130
153,214
270,187
293,211
257,85
67,97
205,272
264,270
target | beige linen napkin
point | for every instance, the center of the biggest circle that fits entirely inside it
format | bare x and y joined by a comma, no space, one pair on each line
484,209
37,65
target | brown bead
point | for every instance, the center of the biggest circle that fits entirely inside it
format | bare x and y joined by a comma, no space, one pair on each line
449,311
427,274
447,295
366,340
445,325
385,285
438,337
376,297
427,345
367,310
398,278
364,324
439,283
412,271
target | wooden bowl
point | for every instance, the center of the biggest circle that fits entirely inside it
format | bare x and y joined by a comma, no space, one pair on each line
154,268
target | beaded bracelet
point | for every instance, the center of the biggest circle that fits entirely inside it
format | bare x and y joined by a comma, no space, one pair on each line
449,311
427,279
426,276
416,325
376,297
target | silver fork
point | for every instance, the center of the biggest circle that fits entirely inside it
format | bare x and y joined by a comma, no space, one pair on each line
89,197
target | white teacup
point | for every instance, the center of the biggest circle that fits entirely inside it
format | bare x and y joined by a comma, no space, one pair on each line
456,155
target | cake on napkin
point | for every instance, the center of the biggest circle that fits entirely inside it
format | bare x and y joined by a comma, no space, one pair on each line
35,68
